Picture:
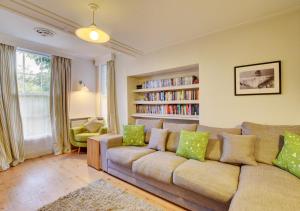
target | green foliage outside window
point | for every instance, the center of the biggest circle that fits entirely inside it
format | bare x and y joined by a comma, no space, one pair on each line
33,73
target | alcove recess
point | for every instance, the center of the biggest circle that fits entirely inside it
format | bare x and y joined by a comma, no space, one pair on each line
176,99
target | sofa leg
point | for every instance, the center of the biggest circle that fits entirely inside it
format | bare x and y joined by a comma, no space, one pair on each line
78,150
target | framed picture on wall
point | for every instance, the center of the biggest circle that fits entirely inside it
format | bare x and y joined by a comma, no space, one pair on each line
258,79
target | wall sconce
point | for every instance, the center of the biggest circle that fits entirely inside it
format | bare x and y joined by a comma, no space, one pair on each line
82,86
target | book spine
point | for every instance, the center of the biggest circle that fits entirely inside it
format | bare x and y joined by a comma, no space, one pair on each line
179,81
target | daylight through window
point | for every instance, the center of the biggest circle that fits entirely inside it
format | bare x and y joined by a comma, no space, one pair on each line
33,74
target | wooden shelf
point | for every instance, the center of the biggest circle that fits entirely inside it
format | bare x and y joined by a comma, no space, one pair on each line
142,102
167,116
184,87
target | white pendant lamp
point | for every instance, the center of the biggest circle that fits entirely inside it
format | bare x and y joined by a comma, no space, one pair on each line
92,33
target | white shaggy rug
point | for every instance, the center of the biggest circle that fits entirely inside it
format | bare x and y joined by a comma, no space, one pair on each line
100,195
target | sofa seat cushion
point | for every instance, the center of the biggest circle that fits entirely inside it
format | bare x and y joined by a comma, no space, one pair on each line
125,155
212,179
158,165
82,137
265,187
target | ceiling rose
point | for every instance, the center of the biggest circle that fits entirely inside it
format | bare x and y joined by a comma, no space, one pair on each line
92,33
44,32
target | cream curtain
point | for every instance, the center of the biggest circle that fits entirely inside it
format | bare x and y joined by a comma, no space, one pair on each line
59,103
112,115
11,133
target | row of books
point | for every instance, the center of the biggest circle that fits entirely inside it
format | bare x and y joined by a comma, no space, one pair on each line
172,95
189,109
179,81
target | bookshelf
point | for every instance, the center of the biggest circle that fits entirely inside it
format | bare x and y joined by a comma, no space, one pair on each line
183,87
167,102
167,116
171,94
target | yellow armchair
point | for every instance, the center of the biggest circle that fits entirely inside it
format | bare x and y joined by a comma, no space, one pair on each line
79,136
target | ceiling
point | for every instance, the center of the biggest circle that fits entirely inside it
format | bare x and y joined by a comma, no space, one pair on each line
21,27
136,26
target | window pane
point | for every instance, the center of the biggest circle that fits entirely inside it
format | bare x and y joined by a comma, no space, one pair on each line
32,83
45,77
33,74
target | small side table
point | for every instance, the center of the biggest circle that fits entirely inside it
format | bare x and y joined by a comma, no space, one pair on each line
93,152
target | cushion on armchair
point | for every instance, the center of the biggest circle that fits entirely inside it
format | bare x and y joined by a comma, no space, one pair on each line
93,125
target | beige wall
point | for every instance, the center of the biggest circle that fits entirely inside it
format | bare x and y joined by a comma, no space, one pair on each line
83,103
217,54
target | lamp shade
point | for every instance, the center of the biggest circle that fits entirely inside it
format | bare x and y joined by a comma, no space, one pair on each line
92,34
82,87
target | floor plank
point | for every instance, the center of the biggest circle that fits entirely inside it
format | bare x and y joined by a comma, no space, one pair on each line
39,181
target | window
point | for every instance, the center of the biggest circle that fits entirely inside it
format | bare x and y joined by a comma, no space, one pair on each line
33,76
103,90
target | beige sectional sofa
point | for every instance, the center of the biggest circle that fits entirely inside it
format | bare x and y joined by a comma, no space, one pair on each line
208,185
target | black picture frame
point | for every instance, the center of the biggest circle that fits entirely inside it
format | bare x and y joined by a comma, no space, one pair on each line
259,66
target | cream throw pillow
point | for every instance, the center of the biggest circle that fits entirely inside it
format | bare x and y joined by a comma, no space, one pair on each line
239,149
158,139
214,146
93,125
149,124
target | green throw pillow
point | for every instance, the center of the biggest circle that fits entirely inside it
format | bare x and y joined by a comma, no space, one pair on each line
134,135
192,145
289,157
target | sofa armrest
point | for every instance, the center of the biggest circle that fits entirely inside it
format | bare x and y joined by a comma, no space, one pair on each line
78,130
73,132
103,130
106,142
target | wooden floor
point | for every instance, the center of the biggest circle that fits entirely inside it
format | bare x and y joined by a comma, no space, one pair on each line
39,181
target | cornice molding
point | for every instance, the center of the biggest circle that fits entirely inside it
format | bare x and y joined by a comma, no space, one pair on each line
40,14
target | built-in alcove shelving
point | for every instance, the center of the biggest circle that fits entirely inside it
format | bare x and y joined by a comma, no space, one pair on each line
171,94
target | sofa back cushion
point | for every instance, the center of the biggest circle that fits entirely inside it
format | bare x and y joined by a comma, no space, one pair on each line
214,147
174,133
149,124
268,139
